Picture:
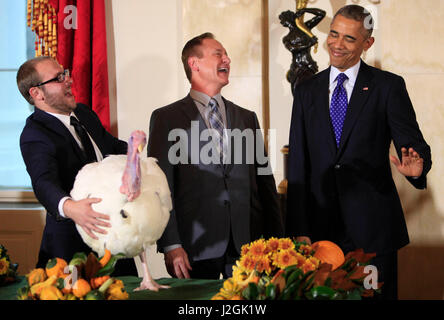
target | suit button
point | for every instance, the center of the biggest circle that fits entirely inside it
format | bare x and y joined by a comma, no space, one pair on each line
338,166
226,203
226,176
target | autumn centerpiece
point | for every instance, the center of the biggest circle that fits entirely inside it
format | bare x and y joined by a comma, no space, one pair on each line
8,270
84,278
285,269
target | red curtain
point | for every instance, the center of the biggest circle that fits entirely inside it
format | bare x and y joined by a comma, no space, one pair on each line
82,50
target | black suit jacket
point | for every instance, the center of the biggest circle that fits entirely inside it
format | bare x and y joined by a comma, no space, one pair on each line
352,182
209,200
53,159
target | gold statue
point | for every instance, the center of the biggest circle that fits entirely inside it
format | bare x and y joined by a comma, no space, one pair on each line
302,4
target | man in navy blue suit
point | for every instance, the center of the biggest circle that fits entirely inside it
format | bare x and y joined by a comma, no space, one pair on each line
54,152
344,119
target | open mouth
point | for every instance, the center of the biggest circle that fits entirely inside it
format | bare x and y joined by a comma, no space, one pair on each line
223,69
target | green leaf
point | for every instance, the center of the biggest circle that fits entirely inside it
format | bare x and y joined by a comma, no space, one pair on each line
108,269
270,292
251,291
322,293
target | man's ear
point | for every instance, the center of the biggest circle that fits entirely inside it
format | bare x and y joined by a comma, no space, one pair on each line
36,94
193,63
368,43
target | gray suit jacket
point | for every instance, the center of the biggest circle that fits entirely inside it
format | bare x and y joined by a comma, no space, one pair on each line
209,200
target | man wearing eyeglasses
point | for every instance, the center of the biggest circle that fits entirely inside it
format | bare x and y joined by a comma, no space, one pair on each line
59,138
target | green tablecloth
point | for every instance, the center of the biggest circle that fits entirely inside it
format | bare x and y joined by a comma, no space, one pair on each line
181,289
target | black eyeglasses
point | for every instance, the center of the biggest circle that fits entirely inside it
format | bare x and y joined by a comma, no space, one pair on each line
60,78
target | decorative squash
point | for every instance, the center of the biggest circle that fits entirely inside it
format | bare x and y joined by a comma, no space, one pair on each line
105,259
329,252
51,293
56,267
81,288
97,282
36,276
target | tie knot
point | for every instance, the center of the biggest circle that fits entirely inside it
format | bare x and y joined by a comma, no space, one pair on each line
213,103
74,121
341,78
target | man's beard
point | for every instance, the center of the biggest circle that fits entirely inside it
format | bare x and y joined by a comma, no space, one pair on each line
60,102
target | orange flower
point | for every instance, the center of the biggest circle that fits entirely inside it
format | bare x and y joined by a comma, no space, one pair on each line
247,263
284,258
286,243
308,266
4,266
245,249
272,244
258,247
263,265
305,249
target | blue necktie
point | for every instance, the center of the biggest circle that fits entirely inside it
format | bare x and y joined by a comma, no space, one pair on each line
338,107
216,123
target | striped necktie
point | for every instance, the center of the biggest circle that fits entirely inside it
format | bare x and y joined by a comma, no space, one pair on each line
338,107
216,123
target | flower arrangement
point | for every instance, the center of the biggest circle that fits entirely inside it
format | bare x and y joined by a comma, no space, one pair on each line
84,278
285,269
8,270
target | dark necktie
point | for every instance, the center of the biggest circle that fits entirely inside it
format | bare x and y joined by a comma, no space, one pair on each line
216,123
338,107
88,148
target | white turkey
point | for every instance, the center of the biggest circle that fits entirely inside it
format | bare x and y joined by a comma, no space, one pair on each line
135,194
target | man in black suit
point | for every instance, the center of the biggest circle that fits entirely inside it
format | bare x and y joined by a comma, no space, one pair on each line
344,119
219,204
54,152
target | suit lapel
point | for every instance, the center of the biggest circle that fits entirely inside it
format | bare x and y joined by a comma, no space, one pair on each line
360,94
56,126
322,100
231,123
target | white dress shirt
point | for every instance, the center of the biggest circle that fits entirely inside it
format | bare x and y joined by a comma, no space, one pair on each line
351,73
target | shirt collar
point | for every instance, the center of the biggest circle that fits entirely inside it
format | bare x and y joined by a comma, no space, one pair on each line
351,73
205,99
66,120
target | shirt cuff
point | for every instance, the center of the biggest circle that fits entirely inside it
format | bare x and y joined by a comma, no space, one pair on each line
171,247
61,203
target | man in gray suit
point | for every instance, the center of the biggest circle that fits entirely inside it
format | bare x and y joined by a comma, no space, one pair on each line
223,194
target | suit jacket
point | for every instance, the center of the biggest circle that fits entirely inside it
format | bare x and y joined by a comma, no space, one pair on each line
209,200
354,181
53,159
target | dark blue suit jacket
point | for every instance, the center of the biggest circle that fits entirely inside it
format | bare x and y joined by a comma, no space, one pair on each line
53,159
352,182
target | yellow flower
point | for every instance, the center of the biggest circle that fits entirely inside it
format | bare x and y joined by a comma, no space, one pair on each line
284,258
258,248
4,266
229,290
286,243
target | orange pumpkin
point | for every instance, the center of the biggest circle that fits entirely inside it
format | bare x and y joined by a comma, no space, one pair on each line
55,267
329,252
81,288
